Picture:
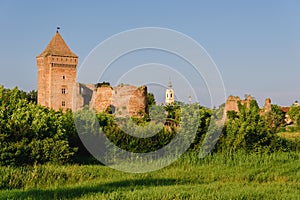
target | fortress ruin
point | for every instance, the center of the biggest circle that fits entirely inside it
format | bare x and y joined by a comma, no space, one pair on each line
57,87
121,100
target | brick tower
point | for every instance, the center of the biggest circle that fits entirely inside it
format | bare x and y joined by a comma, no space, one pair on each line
56,74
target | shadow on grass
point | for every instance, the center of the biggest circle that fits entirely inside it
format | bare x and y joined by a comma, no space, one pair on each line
73,192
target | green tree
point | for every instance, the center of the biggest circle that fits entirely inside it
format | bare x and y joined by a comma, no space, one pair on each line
294,114
249,131
30,133
275,118
150,100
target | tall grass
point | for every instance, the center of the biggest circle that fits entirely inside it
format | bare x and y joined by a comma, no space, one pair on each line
237,176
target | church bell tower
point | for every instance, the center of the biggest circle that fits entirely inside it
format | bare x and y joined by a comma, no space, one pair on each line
170,94
56,74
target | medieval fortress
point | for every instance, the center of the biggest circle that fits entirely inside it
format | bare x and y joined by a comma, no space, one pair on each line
57,87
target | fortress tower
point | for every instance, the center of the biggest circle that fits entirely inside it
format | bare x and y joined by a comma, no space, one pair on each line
169,94
56,74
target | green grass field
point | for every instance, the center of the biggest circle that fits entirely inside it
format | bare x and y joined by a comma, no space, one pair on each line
241,176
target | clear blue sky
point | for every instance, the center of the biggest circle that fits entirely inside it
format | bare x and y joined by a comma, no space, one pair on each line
255,44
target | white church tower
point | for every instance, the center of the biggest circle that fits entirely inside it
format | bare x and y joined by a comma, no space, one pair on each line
170,94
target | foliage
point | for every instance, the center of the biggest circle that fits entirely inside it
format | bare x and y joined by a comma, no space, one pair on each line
249,153
275,118
30,133
252,132
294,114
150,100
203,124
5,95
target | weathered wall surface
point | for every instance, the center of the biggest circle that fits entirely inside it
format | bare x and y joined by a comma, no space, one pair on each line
102,98
124,100
82,95
232,103
267,107
62,78
138,101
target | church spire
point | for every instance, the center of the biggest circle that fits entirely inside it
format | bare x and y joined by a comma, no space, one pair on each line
170,84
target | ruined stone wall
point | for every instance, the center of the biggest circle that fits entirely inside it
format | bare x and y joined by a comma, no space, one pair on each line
82,95
138,101
267,106
129,100
232,103
123,100
102,98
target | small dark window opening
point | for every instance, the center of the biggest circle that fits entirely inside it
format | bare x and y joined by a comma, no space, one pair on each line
171,95
63,91
64,77
63,103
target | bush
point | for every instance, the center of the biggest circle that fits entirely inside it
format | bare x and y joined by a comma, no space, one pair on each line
30,133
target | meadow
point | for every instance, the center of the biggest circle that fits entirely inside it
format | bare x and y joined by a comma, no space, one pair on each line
219,176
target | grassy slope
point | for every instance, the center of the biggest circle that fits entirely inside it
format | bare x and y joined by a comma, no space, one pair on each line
275,176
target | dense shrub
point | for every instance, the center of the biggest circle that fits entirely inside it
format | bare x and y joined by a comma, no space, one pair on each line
251,131
30,133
